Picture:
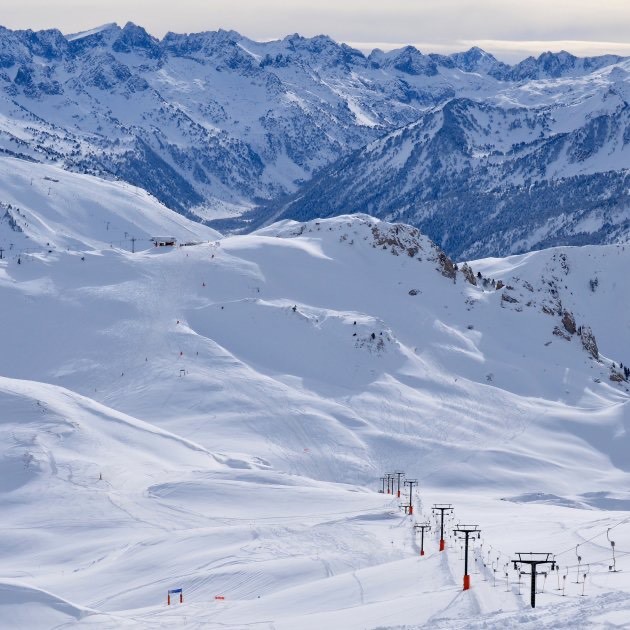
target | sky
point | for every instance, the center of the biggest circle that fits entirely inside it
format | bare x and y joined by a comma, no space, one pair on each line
510,29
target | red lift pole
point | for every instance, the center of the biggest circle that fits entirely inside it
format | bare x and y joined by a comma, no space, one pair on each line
466,531
442,507
422,527
400,474
411,483
390,482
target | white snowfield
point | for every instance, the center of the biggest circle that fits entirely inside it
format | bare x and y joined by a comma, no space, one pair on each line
216,418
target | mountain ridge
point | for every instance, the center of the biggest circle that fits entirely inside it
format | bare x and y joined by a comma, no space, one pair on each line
482,178
215,124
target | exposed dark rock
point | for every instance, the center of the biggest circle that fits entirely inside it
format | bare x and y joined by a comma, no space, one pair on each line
568,321
558,332
446,266
469,274
588,341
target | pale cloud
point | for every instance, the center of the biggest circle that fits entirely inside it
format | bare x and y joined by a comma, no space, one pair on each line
511,29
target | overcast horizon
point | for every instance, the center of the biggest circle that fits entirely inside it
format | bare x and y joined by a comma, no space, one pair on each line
509,30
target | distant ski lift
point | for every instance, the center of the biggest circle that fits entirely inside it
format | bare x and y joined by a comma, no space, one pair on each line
612,567
164,241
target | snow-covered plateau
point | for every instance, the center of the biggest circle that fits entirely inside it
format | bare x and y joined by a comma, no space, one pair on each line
216,416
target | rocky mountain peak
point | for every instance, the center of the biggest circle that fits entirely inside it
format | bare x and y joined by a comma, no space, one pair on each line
135,38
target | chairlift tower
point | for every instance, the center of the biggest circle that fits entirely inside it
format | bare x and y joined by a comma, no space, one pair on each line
422,527
411,483
390,482
399,475
442,508
533,559
466,531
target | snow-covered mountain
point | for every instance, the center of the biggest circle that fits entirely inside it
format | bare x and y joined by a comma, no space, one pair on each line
539,164
215,124
217,416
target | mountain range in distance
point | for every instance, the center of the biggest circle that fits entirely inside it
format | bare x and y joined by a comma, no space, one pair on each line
484,157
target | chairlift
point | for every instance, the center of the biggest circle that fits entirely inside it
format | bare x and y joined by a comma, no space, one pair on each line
545,573
612,567
579,559
588,568
557,570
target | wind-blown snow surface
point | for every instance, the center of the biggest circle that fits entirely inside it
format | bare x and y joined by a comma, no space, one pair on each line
216,417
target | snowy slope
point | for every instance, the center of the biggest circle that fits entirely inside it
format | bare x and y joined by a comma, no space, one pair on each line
216,417
588,281
45,208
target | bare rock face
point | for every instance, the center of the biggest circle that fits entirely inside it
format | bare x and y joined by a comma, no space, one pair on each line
560,333
469,274
447,267
588,341
399,238
616,377
568,321
500,284
506,297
